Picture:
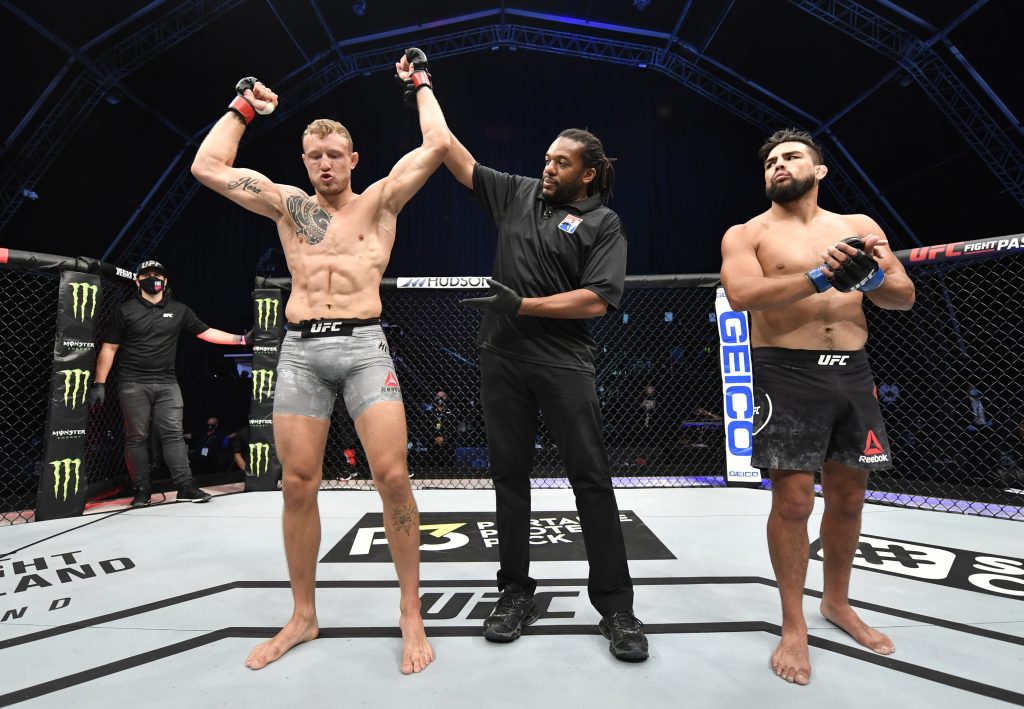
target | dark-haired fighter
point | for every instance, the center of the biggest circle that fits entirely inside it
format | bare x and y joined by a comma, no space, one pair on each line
561,260
802,272
337,244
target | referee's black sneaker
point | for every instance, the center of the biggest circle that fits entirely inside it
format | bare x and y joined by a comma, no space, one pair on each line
513,611
141,498
190,493
626,639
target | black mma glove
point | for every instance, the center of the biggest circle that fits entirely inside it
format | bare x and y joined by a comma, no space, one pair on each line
501,299
860,272
419,78
243,106
97,394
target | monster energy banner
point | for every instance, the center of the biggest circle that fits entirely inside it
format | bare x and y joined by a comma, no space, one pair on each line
62,480
263,470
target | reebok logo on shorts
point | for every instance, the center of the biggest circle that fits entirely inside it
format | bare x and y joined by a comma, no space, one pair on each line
873,451
390,382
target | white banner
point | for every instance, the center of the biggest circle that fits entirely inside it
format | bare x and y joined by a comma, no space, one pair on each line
737,391
454,282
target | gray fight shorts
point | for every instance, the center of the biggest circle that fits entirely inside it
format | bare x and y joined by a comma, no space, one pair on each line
313,369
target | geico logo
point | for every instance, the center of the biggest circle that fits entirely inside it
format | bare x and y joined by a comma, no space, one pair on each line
880,458
744,474
62,471
366,537
79,345
832,360
262,383
266,312
80,377
264,350
81,296
259,458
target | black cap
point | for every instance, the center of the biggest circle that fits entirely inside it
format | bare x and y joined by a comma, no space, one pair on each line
151,266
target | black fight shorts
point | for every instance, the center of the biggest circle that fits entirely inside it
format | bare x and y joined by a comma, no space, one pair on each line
812,406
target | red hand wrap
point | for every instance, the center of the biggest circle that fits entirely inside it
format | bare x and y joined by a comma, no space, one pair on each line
243,108
421,79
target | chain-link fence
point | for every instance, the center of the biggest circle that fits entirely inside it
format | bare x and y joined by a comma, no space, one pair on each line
948,375
28,305
659,385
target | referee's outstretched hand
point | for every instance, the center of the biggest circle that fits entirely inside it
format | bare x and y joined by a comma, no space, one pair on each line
500,299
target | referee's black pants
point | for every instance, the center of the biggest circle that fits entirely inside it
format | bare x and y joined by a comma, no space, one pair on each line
511,393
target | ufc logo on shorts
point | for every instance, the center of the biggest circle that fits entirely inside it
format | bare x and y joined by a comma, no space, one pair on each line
829,360
327,327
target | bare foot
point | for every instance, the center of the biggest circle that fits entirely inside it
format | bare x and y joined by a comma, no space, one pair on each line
790,660
292,634
416,651
846,619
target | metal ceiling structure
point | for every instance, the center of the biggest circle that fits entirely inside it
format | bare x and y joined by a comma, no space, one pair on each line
967,103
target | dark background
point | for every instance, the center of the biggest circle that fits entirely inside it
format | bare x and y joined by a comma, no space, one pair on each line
687,167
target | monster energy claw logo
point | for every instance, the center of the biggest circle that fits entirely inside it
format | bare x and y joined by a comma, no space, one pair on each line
88,292
259,458
266,312
262,383
81,378
70,466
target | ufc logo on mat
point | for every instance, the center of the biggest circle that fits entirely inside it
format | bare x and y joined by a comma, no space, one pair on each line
828,360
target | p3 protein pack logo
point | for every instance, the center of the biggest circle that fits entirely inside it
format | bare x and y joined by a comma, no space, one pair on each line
473,536
994,574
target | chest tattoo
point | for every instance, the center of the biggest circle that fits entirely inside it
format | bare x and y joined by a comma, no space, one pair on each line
311,221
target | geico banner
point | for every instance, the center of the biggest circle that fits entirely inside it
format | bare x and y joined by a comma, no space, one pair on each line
63,480
442,282
263,470
737,392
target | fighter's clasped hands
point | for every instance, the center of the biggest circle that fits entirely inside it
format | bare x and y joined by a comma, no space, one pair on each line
849,265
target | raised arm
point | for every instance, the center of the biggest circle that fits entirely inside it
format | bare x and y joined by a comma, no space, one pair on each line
411,172
745,283
460,163
214,162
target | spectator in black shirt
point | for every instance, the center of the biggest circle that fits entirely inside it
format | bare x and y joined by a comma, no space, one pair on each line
561,260
143,332
210,448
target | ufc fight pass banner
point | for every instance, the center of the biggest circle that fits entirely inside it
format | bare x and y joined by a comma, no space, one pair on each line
63,479
262,468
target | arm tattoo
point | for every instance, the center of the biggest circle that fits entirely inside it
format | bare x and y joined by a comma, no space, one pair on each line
248,184
311,221
403,517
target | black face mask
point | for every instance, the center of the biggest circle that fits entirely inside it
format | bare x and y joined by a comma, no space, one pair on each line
152,285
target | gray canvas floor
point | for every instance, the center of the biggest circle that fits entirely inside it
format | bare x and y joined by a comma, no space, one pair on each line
158,607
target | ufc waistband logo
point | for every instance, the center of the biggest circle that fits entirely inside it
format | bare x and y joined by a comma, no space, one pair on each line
830,360
323,327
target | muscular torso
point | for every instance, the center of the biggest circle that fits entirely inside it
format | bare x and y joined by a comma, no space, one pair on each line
336,258
826,321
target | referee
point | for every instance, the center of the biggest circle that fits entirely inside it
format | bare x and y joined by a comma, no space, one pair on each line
143,332
561,260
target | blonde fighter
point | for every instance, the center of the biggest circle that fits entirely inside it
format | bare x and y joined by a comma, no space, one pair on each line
337,244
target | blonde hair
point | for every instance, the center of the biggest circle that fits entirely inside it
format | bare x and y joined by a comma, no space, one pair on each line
323,127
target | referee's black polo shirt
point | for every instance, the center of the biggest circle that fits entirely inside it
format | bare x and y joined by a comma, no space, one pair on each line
148,337
545,249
